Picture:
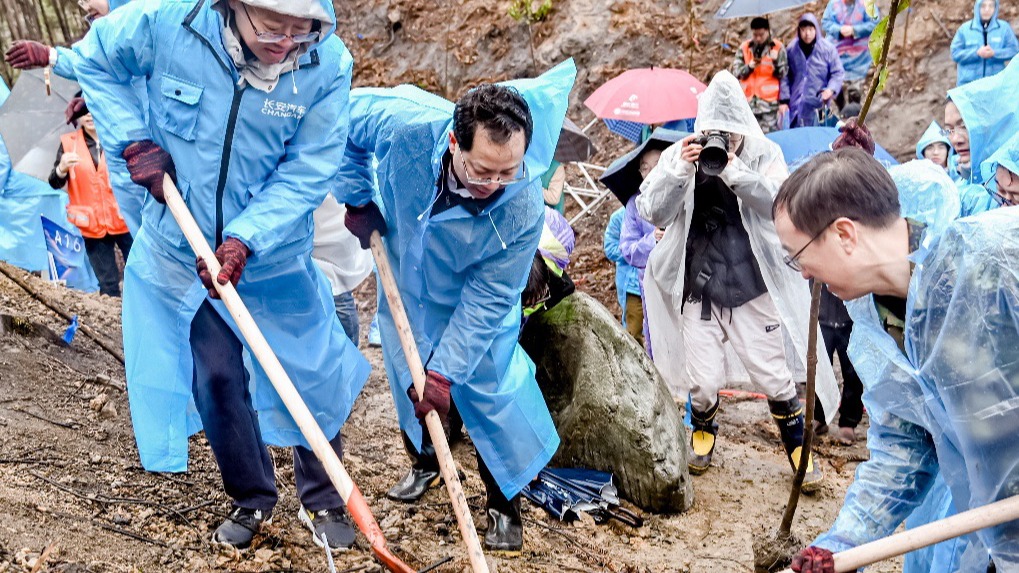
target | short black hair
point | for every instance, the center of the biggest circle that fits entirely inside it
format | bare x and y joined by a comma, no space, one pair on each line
760,23
847,182
501,110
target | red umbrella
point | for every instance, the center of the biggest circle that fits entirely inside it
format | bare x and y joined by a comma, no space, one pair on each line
647,95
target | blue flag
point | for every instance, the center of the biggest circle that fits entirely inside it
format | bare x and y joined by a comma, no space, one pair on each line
67,253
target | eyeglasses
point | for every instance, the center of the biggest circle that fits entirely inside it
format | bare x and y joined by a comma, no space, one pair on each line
276,37
998,197
488,181
793,262
949,131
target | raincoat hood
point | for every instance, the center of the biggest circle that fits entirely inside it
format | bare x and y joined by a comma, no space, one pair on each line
1007,156
976,10
811,19
932,135
989,111
723,107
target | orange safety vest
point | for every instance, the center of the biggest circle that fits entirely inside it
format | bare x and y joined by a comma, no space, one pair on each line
92,206
762,81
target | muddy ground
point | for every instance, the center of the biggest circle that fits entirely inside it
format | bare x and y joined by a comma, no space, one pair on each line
70,479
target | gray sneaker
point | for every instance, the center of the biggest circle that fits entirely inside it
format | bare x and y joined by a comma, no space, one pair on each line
333,525
240,527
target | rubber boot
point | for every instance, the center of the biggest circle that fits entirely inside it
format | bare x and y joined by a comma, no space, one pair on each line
788,415
702,439
423,475
505,533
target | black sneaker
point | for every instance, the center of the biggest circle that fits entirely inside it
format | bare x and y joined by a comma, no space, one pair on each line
240,527
331,524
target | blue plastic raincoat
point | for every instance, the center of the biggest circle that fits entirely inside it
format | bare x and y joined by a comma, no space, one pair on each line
930,136
626,275
910,441
460,275
973,35
5,92
1007,156
251,164
854,52
808,77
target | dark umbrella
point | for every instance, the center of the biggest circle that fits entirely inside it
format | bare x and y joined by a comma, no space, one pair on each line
31,122
574,144
623,176
565,491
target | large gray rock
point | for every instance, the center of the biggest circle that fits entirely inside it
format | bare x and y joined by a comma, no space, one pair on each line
610,405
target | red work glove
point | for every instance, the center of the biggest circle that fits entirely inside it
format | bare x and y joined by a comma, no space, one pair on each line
147,162
361,221
232,256
436,398
814,560
27,55
75,109
854,135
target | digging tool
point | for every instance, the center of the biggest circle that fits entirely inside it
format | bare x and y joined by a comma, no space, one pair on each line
901,543
417,371
356,504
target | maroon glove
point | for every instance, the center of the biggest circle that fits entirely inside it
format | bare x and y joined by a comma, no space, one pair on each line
75,109
361,221
232,256
436,398
27,55
854,134
147,162
814,560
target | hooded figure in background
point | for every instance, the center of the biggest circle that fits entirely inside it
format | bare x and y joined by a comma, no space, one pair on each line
934,145
980,117
815,73
982,46
849,26
27,54
1001,173
718,274
247,110
463,215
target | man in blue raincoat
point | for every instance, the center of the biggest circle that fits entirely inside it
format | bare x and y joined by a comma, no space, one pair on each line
247,109
984,45
941,334
463,216
28,54
1001,173
980,117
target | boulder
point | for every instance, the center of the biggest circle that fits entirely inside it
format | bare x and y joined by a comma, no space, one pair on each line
610,405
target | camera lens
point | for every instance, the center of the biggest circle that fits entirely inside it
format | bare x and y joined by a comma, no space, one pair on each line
715,154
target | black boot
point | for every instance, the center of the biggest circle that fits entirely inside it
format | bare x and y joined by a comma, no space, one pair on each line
702,439
505,534
788,415
423,475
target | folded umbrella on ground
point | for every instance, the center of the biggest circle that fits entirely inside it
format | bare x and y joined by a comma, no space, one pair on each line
564,492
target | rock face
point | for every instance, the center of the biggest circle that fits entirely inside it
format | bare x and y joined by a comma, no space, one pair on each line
611,407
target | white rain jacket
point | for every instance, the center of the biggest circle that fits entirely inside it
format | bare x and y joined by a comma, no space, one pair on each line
666,200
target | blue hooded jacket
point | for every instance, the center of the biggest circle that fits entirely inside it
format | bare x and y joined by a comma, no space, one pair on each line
460,274
972,35
251,164
626,275
932,135
808,77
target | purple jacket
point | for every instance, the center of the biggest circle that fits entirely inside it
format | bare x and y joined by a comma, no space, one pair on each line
808,77
636,239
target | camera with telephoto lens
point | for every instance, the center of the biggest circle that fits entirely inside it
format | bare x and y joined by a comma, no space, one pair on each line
715,152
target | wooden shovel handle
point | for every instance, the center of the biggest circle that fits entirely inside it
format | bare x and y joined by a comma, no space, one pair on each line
447,465
261,350
901,543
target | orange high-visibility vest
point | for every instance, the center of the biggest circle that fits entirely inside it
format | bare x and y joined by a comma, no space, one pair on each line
762,81
92,207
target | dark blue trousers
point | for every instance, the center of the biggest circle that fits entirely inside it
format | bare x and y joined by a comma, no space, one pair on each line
220,388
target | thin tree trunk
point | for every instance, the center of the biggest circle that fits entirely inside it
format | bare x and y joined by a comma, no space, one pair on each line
58,8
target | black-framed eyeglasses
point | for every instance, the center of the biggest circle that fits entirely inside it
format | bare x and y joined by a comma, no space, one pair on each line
998,197
488,181
793,262
276,37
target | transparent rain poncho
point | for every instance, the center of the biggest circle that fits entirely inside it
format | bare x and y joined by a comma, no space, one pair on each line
666,200
952,406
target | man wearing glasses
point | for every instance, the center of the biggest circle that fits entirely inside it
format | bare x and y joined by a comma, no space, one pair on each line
938,335
247,110
717,276
462,201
